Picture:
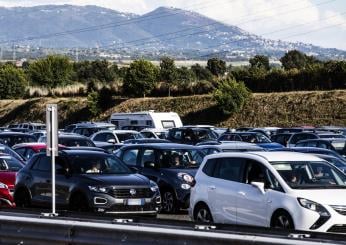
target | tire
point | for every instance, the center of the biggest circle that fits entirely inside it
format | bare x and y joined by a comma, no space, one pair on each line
202,214
22,198
79,203
282,220
169,202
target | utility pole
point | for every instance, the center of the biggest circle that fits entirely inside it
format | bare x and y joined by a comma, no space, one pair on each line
77,55
14,53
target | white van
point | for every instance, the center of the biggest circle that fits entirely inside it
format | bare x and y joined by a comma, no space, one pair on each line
146,119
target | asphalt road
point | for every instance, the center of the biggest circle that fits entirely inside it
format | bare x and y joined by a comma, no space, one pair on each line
182,215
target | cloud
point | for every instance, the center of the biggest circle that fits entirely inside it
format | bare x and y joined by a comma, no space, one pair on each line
293,17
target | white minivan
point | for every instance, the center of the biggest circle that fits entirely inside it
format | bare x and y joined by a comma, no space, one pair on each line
272,189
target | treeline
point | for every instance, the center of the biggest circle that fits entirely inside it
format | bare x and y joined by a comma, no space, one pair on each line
141,78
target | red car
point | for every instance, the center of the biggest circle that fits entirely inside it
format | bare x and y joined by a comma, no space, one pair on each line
26,150
6,198
9,166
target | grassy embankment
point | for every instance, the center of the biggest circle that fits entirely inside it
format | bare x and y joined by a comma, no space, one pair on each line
279,109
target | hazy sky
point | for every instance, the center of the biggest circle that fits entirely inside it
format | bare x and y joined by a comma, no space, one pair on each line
321,22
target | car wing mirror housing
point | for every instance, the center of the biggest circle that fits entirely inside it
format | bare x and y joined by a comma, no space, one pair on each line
259,186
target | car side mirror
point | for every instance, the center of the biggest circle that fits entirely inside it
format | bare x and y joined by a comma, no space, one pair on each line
112,141
150,165
259,186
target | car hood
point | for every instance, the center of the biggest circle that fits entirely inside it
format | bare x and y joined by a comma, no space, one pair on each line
272,145
325,196
121,179
8,178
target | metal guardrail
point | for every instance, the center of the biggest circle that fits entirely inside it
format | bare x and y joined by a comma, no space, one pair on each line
23,228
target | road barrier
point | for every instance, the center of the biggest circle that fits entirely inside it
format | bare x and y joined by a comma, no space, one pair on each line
19,228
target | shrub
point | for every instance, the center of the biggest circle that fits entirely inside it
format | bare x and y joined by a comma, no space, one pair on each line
12,82
231,96
93,103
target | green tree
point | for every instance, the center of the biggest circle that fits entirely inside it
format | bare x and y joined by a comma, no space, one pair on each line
140,78
231,96
201,72
93,103
12,82
185,75
298,60
100,70
260,61
216,66
52,71
168,70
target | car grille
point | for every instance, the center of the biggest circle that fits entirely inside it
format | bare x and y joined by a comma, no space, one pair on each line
126,208
339,209
126,193
337,229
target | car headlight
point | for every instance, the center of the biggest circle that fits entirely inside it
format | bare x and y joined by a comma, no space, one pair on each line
3,186
100,189
186,177
153,186
313,206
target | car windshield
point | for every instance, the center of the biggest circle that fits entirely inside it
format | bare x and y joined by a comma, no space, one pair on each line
10,164
75,142
16,139
310,175
98,165
181,158
255,138
126,136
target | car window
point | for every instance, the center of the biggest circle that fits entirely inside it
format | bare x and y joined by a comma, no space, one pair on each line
229,169
10,164
209,166
130,157
21,151
43,164
323,145
148,156
273,183
176,134
310,144
148,135
100,137
254,172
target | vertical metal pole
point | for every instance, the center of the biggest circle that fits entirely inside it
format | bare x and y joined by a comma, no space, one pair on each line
53,163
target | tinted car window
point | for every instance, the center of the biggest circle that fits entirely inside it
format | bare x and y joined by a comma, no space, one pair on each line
148,156
209,166
229,169
180,158
10,164
21,151
43,163
130,157
100,137
75,142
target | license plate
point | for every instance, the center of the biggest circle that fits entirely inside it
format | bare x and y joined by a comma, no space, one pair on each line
134,202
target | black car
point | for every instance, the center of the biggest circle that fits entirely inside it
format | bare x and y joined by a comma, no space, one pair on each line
86,181
191,135
171,166
71,140
13,138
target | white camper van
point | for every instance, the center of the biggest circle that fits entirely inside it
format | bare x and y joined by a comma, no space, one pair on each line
146,119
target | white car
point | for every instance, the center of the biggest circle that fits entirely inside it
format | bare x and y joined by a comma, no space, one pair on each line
154,133
115,136
272,189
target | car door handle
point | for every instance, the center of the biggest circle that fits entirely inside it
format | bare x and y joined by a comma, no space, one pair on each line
241,193
212,187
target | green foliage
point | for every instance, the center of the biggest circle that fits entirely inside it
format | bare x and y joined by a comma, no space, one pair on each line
216,66
105,98
260,61
231,96
12,82
296,59
141,78
185,75
168,71
201,72
100,70
51,71
93,103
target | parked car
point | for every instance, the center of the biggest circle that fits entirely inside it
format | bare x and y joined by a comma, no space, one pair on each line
338,145
191,135
145,141
115,136
171,166
27,150
9,166
331,136
6,199
250,137
13,138
235,146
154,133
9,151
337,162
87,181
272,189
89,128
108,147
291,139
71,140
28,127
312,150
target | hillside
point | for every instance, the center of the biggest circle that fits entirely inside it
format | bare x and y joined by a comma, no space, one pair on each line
276,109
68,26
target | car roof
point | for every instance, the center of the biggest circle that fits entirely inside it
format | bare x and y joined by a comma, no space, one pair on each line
9,133
79,152
233,145
272,156
31,144
163,146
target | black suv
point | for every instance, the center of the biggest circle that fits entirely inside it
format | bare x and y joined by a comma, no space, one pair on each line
86,181
191,135
171,166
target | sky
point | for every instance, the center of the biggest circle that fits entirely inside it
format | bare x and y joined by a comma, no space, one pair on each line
320,22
